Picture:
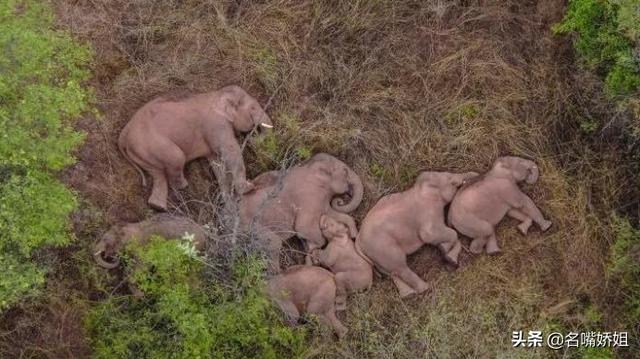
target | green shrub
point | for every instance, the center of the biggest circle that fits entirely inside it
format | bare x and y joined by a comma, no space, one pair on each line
624,267
607,33
40,92
182,315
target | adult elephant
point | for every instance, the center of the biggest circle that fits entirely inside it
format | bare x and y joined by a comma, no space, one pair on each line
284,204
165,134
478,208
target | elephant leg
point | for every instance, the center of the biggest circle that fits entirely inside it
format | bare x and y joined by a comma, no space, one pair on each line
308,227
492,244
346,219
477,244
403,288
453,254
413,280
174,161
159,191
446,239
290,311
525,221
273,246
309,249
342,284
330,318
531,210
231,156
221,175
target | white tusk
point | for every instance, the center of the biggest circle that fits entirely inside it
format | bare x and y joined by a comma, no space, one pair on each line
266,125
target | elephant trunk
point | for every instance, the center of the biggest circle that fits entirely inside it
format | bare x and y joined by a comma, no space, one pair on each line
356,189
98,252
532,177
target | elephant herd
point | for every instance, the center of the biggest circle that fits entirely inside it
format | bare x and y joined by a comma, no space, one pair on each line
312,200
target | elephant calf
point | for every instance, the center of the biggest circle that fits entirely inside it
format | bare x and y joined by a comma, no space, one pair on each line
478,208
165,134
306,289
353,272
164,225
401,223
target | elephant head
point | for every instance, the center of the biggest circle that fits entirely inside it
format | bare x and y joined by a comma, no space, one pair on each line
516,168
341,179
243,110
445,183
108,246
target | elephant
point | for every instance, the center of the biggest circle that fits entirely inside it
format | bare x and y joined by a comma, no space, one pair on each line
353,273
477,208
165,134
288,203
400,223
306,289
164,225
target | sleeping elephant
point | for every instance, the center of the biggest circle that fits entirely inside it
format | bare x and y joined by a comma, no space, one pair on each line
353,272
164,225
285,204
165,134
306,289
478,207
400,223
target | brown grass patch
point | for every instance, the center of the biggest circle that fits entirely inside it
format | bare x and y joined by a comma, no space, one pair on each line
391,87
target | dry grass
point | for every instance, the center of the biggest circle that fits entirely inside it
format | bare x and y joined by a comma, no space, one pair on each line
391,87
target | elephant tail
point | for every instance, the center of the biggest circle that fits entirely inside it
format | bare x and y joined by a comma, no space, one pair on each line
367,259
123,149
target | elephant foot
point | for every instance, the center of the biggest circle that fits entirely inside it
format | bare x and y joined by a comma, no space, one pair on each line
403,288
524,227
493,250
341,331
180,184
341,306
451,259
423,288
476,246
157,204
545,225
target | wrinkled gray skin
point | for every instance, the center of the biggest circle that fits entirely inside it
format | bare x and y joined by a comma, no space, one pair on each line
306,289
400,223
286,204
353,273
164,225
480,206
165,134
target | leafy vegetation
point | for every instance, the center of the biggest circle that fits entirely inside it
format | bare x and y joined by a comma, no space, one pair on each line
182,315
624,267
607,40
40,92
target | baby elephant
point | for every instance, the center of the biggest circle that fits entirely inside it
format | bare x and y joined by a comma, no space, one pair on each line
477,208
400,223
353,272
164,225
306,289
165,134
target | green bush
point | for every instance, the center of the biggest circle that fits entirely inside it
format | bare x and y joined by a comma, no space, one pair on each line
182,315
40,92
607,40
624,267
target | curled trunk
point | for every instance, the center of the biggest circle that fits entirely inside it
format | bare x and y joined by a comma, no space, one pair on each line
356,192
98,252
